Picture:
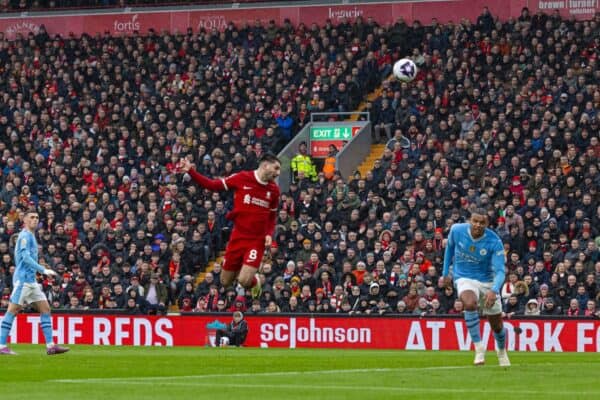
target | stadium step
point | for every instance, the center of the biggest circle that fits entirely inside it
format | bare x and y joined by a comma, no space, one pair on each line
200,277
370,97
369,162
209,268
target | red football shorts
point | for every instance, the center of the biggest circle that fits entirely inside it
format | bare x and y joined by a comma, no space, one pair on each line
243,251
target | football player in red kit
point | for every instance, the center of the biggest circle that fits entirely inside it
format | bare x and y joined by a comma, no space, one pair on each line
255,202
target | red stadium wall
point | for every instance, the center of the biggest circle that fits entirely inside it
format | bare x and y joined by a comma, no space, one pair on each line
565,335
448,10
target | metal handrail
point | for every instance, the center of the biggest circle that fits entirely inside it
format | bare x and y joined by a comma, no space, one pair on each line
313,114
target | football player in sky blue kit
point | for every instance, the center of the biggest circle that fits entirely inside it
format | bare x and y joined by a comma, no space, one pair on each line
26,289
477,257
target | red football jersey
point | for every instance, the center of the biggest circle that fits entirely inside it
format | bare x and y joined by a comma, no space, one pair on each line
254,203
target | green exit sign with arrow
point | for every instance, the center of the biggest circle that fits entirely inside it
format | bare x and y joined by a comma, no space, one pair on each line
322,136
331,133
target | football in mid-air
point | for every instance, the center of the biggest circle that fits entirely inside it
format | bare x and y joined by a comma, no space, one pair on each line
405,70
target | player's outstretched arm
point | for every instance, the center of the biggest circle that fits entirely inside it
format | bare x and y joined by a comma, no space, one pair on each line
207,183
448,254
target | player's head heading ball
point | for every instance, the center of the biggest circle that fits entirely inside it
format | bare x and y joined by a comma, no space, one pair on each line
479,221
269,167
269,157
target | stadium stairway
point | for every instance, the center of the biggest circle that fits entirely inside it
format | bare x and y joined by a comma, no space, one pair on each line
199,278
370,97
376,149
209,268
369,162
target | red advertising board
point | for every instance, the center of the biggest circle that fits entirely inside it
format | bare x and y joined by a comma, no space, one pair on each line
384,13
381,13
320,148
219,19
566,335
567,8
127,24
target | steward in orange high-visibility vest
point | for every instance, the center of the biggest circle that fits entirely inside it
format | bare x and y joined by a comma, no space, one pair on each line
330,161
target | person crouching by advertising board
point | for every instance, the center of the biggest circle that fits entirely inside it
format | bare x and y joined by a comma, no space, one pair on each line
235,333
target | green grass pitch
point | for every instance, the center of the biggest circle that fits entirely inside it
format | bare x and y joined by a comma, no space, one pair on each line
132,373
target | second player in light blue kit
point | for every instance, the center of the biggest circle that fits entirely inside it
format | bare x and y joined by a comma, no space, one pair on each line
26,289
477,257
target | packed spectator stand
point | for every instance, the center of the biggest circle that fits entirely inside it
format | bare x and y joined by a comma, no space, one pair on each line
503,115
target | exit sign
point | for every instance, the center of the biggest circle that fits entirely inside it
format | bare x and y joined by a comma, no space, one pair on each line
331,133
322,136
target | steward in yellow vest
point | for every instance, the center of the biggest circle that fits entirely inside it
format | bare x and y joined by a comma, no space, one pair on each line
303,162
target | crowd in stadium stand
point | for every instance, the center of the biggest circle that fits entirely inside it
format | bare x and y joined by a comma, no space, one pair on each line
503,115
